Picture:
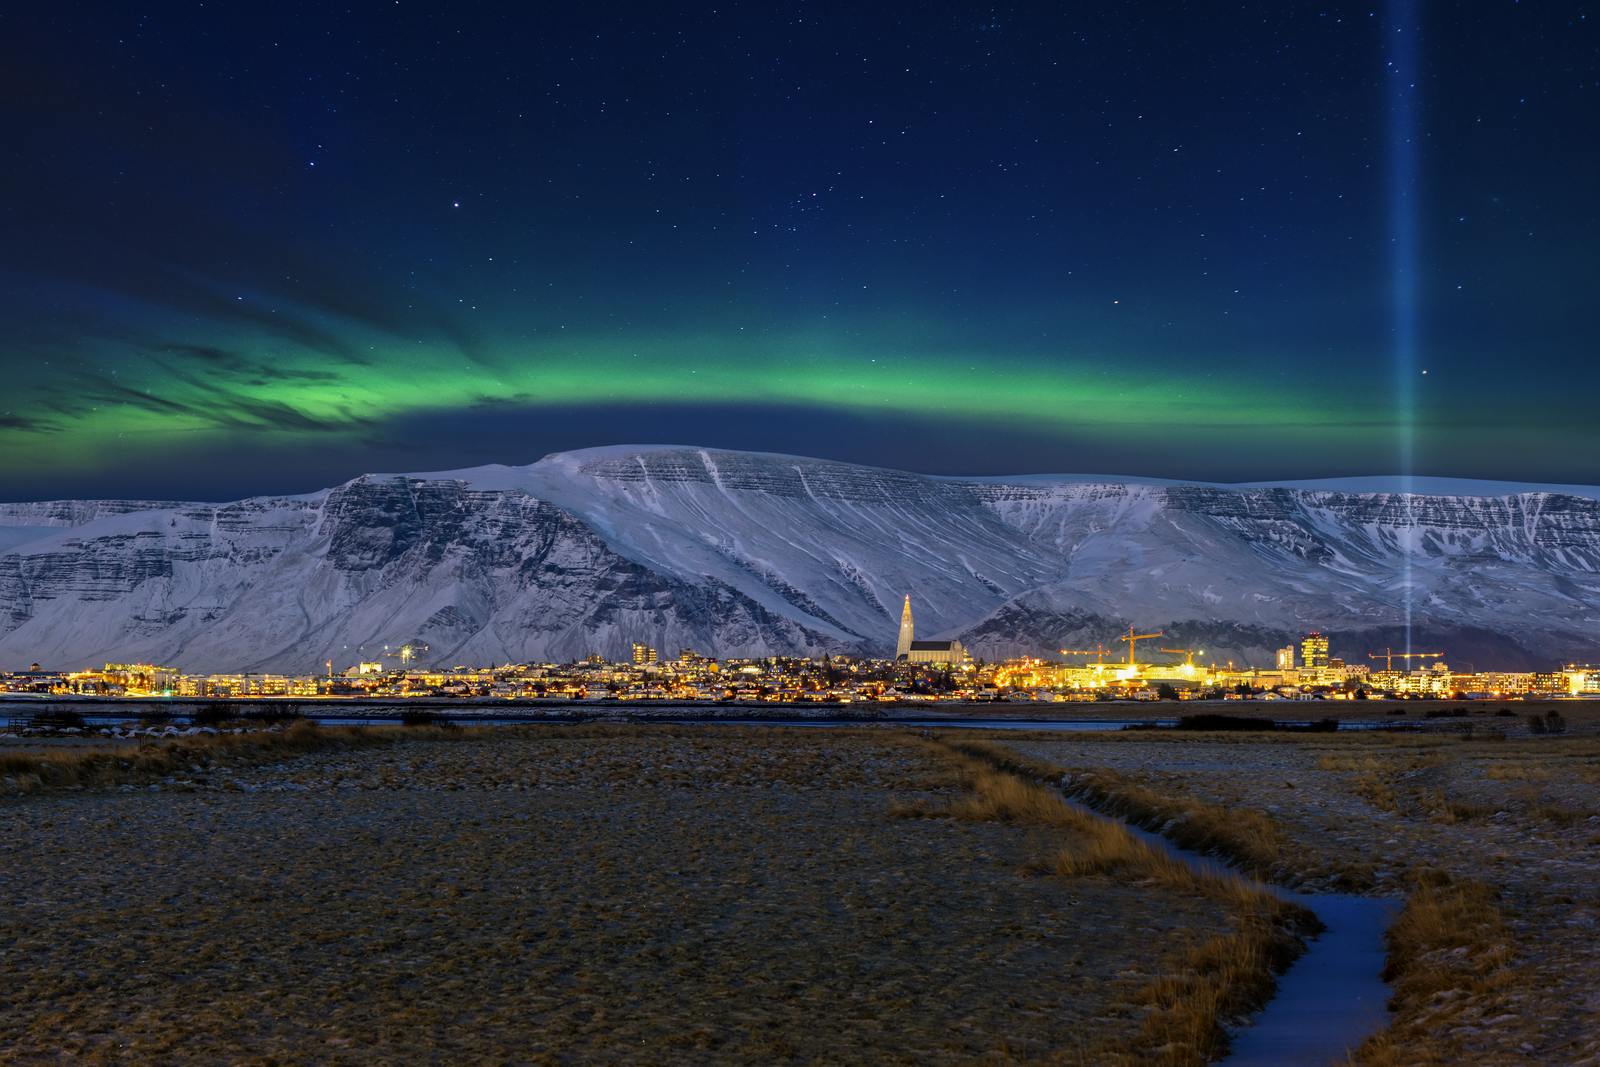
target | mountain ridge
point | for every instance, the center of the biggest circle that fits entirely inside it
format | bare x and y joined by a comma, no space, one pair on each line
1425,485
739,553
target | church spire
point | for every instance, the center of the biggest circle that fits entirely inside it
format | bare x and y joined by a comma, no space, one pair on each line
907,630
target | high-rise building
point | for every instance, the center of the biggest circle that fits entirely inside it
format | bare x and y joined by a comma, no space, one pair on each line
907,631
1314,651
643,654
1286,658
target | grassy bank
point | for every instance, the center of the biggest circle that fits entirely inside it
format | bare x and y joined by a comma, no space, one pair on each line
1249,839
1450,965
1204,985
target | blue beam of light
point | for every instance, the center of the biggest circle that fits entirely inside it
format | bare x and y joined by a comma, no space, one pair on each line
1401,94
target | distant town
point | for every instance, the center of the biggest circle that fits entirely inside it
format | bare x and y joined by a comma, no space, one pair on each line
1141,668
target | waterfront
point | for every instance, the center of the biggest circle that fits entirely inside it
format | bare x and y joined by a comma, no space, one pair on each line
157,714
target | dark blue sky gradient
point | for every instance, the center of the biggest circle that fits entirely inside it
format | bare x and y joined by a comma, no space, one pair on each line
269,248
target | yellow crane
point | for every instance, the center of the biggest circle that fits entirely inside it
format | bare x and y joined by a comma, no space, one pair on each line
1101,652
1133,640
1188,654
1389,655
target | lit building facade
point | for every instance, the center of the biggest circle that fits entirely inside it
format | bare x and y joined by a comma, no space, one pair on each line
1583,679
1314,652
935,652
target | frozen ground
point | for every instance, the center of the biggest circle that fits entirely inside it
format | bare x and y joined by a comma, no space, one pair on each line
595,895
1521,815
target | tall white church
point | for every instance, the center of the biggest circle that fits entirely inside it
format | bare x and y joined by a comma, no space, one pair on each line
909,649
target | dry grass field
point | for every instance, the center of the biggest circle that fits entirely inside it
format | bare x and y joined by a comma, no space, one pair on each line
1203,987
739,895
1494,842
597,894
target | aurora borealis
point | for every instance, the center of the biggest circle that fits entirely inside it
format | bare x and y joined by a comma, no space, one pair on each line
268,249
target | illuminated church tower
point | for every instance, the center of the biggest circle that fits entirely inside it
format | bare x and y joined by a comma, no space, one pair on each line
910,650
906,631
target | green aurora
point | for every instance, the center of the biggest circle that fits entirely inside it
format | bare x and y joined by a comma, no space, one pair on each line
163,407
263,251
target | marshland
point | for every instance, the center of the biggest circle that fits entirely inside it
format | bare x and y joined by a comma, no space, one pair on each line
716,893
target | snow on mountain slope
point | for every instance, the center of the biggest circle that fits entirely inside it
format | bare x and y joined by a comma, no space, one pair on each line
1428,486
750,554
284,584
1279,561
841,544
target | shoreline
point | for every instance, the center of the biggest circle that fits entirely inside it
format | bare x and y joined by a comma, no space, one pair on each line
1297,712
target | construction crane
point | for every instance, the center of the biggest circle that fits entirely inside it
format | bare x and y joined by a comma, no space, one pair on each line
1101,652
1133,640
1389,655
1188,654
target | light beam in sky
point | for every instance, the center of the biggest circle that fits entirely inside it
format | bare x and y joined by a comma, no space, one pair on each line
1401,71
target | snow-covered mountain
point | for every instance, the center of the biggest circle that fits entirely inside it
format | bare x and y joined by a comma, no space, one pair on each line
736,553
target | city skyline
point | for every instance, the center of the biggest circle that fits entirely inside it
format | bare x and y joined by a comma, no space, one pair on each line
645,675
1306,665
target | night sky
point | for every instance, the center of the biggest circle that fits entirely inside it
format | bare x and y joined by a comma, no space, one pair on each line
266,247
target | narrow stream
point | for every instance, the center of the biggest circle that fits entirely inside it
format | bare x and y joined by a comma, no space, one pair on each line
1332,997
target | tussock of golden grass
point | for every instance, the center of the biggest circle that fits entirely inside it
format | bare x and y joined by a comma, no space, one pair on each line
1247,837
995,796
1518,772
1377,776
1353,762
1376,790
1100,846
1450,810
1389,759
1107,848
1005,786
1222,978
1449,959
22,773
917,809
1004,757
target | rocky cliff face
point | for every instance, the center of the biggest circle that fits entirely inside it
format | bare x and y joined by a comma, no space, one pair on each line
749,554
